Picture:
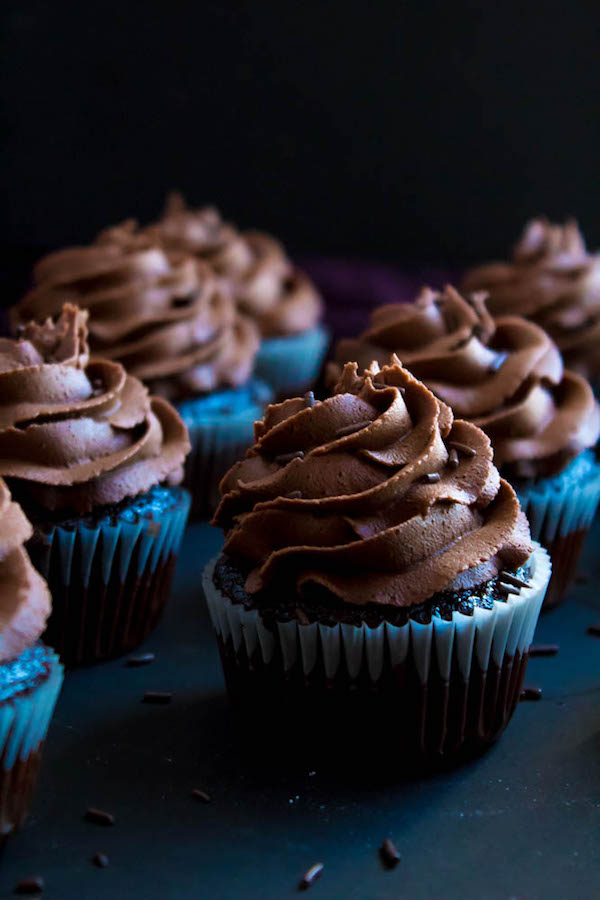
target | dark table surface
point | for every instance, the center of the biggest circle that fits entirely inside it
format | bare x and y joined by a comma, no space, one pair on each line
521,822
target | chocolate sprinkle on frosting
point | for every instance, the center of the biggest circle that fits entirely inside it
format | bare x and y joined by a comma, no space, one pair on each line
464,449
431,478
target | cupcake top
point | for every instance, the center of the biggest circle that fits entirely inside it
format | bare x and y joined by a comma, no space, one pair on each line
162,315
265,284
77,434
554,281
24,596
374,495
506,376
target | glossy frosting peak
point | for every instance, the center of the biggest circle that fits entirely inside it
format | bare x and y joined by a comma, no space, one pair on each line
162,315
506,376
554,281
76,433
24,595
362,495
253,266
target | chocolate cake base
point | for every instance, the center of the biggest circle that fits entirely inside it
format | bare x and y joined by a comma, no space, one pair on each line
101,621
565,552
17,785
441,722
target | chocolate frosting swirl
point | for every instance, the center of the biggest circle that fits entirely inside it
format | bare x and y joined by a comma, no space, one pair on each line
254,266
506,376
78,433
162,315
553,281
358,495
24,595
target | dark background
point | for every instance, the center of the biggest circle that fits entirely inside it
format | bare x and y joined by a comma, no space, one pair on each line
420,132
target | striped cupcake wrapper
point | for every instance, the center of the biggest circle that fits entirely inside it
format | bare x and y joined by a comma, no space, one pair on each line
109,581
560,511
221,428
406,665
24,722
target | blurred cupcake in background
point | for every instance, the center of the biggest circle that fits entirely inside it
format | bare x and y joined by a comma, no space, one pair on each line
30,673
164,317
266,285
507,377
376,586
95,462
554,281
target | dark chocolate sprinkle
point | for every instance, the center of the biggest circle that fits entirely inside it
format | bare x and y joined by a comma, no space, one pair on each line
33,885
531,693
512,579
310,876
453,458
594,629
143,659
498,362
389,853
99,816
157,697
350,429
462,448
507,589
309,399
431,478
543,650
293,495
100,860
201,796
284,458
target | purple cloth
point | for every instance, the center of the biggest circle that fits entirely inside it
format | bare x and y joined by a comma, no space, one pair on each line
353,288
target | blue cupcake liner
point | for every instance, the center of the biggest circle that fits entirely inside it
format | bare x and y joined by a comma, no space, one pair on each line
560,511
110,575
221,428
291,364
564,503
24,721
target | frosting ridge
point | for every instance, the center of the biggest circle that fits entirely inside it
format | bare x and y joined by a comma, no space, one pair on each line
504,375
365,496
553,280
24,596
162,315
79,433
277,295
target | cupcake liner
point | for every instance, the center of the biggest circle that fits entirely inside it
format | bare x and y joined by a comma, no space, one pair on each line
291,363
110,579
454,684
24,722
221,428
560,512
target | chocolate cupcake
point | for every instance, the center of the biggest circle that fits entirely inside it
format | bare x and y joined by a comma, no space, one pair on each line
266,286
30,673
166,319
94,461
507,377
554,281
377,576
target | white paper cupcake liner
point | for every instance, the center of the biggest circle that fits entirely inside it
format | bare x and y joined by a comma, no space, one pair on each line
485,637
